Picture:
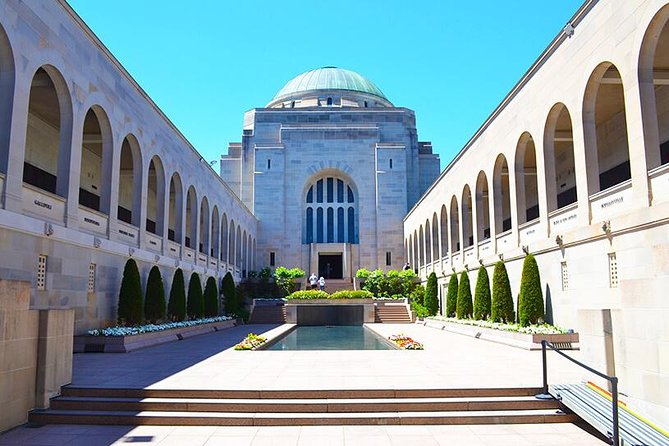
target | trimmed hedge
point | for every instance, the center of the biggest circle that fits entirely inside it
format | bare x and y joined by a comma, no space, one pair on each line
130,306
176,307
431,291
464,307
452,296
502,302
530,298
349,294
210,298
230,294
308,295
195,303
482,295
154,303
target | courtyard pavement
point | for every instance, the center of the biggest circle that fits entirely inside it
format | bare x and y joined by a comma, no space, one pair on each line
208,362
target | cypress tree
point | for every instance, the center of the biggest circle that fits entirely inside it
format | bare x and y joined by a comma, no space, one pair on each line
211,298
502,303
452,296
130,296
176,308
154,303
431,299
464,308
482,295
530,298
195,302
230,294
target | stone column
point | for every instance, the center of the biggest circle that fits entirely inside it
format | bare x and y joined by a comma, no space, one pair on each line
637,141
17,146
74,171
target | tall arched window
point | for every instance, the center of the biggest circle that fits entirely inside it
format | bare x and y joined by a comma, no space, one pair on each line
330,212
6,96
96,152
155,201
175,210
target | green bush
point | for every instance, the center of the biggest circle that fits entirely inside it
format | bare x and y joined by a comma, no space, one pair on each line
130,308
431,295
464,307
154,302
482,295
419,310
452,296
210,298
348,294
391,283
176,307
265,273
285,278
502,302
230,295
417,294
195,303
530,298
308,294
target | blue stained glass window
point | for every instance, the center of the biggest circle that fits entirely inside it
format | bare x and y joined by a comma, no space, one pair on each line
319,225
330,225
310,225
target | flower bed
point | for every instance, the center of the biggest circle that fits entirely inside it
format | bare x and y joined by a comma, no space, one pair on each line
528,338
404,342
126,339
251,342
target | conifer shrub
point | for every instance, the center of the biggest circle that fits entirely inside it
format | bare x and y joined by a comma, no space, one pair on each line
230,295
452,296
154,302
176,307
530,298
482,295
210,298
502,302
431,298
464,307
195,302
130,308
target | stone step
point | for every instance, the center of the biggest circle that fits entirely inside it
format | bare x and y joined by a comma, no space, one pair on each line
191,418
119,392
303,405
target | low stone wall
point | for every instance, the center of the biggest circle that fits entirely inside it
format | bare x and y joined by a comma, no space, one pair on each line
292,306
35,353
124,344
514,339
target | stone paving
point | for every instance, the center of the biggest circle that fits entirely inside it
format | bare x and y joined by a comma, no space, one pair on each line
448,361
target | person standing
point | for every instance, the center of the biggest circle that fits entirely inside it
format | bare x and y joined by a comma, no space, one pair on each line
313,281
321,283
407,266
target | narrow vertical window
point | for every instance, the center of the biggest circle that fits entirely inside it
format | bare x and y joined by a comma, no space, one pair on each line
310,195
366,104
41,272
565,276
340,225
390,163
351,225
330,190
272,258
319,191
329,101
340,191
319,225
350,194
269,164
388,258
330,225
91,278
310,225
613,270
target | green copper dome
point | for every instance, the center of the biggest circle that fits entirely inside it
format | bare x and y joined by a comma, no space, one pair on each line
329,78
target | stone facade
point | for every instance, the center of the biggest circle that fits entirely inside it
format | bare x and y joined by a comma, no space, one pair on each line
92,173
573,167
330,134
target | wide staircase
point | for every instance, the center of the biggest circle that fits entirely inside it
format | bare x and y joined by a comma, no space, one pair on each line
82,405
391,314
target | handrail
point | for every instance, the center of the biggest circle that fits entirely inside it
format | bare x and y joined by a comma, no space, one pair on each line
612,379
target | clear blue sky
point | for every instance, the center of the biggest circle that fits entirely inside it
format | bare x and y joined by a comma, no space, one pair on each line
205,62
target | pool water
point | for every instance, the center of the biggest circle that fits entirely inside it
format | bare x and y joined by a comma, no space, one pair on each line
331,337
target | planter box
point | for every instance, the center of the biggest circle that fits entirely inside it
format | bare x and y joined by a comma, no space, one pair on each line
565,341
124,344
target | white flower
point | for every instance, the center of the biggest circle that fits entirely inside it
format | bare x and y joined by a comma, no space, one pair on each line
150,328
